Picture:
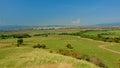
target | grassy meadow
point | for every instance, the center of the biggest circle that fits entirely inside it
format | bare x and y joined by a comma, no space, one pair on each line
26,56
112,33
114,46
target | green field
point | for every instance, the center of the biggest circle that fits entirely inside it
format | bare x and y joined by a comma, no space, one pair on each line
113,33
25,55
114,47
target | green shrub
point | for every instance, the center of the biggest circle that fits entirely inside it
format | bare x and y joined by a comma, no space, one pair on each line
39,46
43,46
69,46
76,55
34,46
63,52
19,41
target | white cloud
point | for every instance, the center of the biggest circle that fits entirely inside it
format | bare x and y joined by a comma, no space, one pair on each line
76,22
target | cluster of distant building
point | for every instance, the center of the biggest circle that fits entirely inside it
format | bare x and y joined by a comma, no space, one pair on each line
53,27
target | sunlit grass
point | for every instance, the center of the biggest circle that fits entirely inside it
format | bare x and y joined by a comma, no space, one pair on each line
24,57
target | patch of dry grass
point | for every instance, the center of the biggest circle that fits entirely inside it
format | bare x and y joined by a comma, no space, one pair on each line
38,58
4,45
57,65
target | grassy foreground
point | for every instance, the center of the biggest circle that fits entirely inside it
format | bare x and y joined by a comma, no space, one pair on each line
26,57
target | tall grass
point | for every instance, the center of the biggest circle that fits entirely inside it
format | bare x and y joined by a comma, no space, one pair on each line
24,57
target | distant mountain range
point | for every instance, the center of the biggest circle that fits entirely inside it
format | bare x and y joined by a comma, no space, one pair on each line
108,24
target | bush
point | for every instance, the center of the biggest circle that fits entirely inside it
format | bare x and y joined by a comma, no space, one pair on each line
63,52
35,46
73,54
76,55
19,41
51,51
39,46
43,46
69,46
97,61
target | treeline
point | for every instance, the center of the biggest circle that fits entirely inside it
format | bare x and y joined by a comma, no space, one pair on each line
43,35
100,36
14,36
5,36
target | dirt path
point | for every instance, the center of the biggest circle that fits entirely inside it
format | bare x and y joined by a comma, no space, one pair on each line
107,49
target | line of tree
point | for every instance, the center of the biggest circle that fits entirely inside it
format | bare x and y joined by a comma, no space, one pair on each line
43,35
5,36
102,38
95,37
15,36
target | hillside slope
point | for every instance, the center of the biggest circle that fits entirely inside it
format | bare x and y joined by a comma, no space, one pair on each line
24,57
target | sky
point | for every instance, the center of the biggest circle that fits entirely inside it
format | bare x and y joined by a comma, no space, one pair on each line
59,12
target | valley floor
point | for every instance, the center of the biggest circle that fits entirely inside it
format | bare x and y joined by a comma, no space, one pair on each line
25,55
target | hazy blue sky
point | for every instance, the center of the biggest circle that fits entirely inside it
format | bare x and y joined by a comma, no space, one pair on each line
59,12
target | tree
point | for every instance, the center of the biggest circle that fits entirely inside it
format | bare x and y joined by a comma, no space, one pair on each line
19,41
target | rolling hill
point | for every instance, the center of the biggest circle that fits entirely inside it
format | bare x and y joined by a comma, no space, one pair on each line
24,57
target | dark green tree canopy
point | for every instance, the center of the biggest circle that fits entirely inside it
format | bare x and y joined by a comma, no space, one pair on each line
20,41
